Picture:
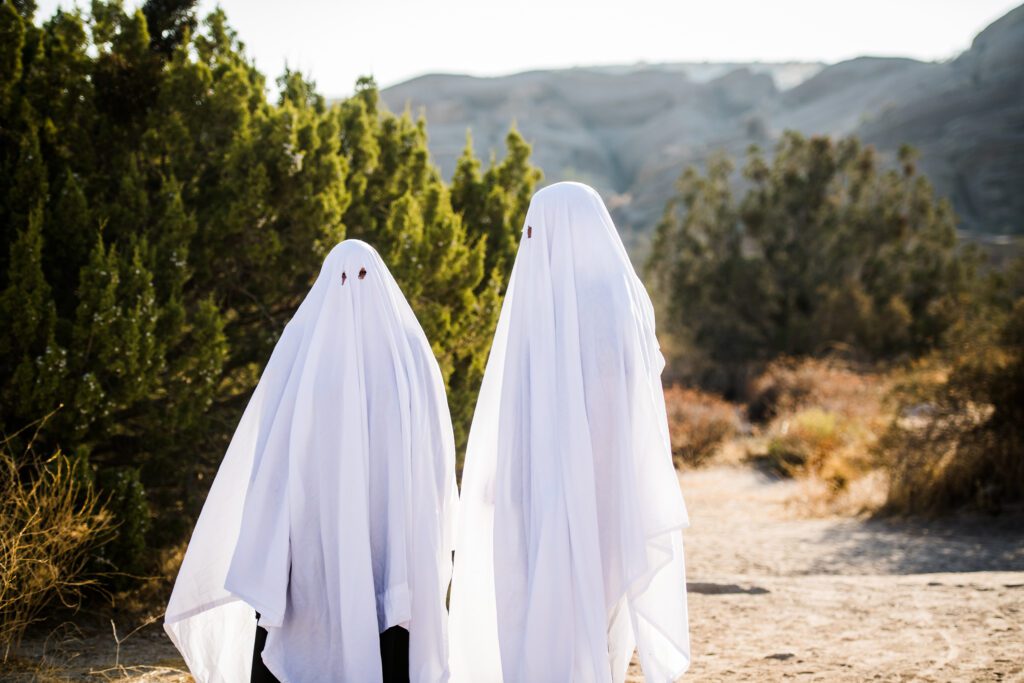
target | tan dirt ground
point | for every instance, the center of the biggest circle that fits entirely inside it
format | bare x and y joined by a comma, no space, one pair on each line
774,596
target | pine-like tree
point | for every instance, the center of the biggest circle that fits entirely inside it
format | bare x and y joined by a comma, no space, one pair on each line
824,249
161,219
494,203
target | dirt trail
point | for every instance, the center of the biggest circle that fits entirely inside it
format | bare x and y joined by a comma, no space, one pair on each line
777,597
773,596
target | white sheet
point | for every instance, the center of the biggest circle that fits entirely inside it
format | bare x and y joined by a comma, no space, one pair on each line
332,512
569,550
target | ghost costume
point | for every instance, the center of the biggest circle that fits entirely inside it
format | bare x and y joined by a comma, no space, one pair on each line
569,549
332,514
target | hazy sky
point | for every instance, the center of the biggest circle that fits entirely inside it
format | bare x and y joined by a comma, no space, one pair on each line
337,40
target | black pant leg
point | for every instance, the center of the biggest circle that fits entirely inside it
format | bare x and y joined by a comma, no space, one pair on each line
394,655
260,672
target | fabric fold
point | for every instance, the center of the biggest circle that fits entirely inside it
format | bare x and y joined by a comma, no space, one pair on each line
329,512
569,551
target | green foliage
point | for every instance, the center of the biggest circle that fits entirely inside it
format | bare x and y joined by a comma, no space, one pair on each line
824,249
170,22
126,502
496,200
437,242
29,355
161,219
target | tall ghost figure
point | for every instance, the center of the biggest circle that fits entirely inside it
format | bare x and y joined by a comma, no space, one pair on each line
569,552
332,512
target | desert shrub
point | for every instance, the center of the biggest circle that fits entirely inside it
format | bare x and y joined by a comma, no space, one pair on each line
815,442
162,214
784,386
50,520
821,418
124,557
959,437
805,440
789,384
698,423
825,248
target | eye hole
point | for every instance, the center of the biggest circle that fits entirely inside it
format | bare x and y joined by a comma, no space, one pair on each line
529,231
343,278
362,273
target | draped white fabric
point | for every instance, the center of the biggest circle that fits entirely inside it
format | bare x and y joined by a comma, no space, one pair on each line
569,551
332,513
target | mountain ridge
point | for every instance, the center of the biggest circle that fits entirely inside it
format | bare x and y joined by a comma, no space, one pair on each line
630,130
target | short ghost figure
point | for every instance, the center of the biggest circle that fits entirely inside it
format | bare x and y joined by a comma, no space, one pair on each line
569,551
332,512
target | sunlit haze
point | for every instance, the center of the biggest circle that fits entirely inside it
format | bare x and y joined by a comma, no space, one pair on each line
335,42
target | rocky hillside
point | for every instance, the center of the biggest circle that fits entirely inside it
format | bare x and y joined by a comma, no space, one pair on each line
631,130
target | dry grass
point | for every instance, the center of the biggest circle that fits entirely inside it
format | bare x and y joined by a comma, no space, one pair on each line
152,590
50,520
959,438
941,433
834,386
928,437
92,650
833,446
820,422
699,424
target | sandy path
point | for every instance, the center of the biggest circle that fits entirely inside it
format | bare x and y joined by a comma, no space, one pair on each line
774,597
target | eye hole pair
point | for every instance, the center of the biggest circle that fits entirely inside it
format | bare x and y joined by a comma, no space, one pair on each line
344,275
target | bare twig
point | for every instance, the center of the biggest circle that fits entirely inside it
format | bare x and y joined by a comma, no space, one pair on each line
50,518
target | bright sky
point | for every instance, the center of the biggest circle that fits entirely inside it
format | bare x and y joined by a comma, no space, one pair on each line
338,40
